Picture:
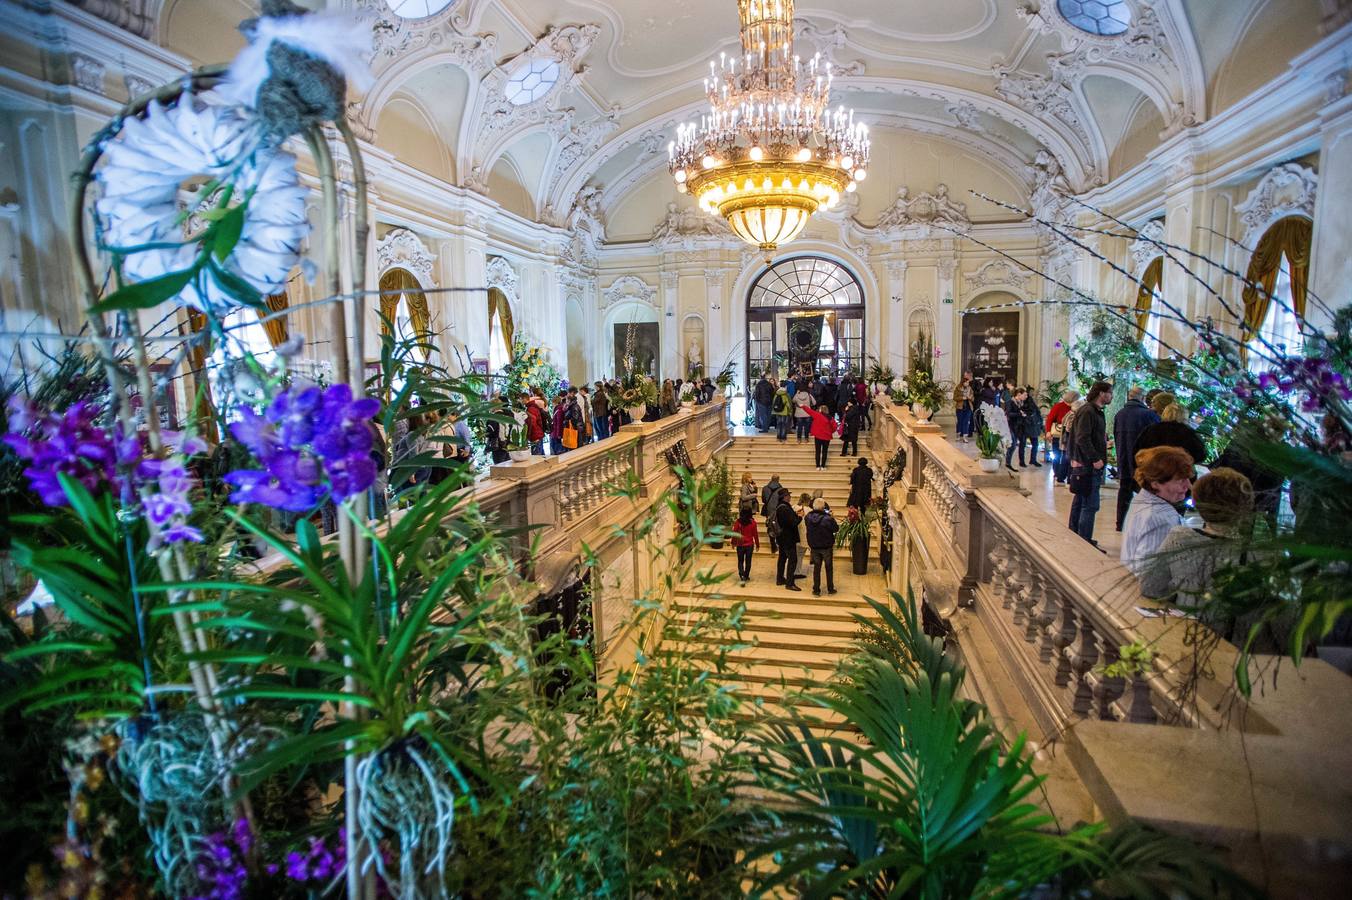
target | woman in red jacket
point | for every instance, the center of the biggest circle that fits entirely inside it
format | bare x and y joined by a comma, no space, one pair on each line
823,429
1055,429
535,423
748,541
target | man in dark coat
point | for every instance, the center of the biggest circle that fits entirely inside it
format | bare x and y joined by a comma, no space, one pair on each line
861,484
850,420
787,520
1130,421
761,396
769,503
1089,455
821,540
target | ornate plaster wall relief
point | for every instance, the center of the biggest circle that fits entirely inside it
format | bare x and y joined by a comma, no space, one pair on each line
136,16
1287,190
996,273
688,229
1142,250
628,288
88,73
923,211
500,274
403,249
396,38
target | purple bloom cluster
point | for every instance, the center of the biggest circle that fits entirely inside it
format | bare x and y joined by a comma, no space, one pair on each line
71,443
311,443
1312,378
223,865
319,864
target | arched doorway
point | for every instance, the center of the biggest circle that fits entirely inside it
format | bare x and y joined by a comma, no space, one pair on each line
805,314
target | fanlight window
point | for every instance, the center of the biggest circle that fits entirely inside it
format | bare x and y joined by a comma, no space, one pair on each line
417,9
530,80
1106,18
806,281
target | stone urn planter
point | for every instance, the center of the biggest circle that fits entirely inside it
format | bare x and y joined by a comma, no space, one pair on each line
519,456
636,413
921,412
989,465
687,404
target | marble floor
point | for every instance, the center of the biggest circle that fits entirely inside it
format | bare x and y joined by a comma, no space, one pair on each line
1055,499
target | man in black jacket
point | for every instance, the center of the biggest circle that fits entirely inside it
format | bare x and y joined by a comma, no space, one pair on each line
1130,421
1018,428
821,540
761,396
787,520
1088,456
861,484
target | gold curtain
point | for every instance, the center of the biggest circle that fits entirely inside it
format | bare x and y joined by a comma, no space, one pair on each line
396,282
198,351
1291,238
501,309
1151,282
276,328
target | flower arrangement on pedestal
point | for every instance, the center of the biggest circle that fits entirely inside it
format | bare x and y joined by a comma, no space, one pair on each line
856,531
919,389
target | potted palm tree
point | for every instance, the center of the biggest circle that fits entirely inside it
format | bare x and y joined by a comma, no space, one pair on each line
856,531
988,448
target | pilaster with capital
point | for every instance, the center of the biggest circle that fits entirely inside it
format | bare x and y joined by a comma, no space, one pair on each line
1330,263
667,327
893,347
946,318
718,337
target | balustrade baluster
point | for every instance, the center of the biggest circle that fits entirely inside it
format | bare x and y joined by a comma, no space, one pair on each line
1058,628
1081,657
1106,689
1018,585
1034,598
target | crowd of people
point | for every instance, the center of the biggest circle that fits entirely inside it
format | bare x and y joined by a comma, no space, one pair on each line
580,415
789,525
1009,410
814,408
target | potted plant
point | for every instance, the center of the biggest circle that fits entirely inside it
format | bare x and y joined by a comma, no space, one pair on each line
635,394
926,395
988,447
718,510
723,380
856,531
518,447
687,394
879,374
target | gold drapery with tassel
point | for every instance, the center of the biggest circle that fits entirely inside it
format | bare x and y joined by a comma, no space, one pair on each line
500,309
400,282
1291,238
1151,283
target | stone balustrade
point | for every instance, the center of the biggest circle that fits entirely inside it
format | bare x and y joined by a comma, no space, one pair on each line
1037,614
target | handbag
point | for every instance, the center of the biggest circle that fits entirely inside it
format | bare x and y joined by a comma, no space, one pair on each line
570,437
1079,480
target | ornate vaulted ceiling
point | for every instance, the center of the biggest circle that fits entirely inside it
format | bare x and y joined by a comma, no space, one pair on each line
551,96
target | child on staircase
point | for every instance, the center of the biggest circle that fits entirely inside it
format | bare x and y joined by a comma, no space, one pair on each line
748,541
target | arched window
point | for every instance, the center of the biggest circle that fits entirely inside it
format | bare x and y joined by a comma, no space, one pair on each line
404,305
805,313
1275,293
1148,318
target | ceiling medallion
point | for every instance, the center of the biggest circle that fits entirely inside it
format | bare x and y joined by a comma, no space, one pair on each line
770,152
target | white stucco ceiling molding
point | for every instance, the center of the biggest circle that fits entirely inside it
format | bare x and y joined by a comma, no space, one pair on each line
1286,190
496,120
1157,55
628,288
402,249
1146,246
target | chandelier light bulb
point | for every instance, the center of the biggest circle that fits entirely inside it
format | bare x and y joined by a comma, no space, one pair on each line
852,187
709,161
681,176
847,162
756,154
804,154
860,173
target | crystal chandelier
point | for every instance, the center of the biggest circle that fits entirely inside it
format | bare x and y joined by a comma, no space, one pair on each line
770,152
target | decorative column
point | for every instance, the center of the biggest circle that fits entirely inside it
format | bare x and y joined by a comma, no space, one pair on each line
945,320
892,350
718,337
671,351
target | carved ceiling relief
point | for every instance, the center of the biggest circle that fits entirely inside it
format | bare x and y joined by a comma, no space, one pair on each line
403,249
924,210
689,228
500,117
1145,47
1287,190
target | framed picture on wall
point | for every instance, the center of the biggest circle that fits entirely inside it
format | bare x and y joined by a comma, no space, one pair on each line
990,345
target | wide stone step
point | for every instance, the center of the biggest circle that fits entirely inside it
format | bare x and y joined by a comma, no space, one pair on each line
766,589
791,658
837,609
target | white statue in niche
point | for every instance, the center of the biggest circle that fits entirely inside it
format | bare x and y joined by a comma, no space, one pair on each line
694,356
